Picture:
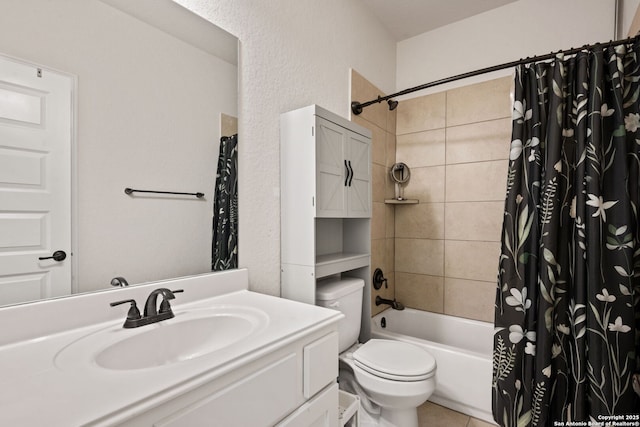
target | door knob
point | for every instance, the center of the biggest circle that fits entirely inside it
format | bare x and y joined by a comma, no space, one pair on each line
57,256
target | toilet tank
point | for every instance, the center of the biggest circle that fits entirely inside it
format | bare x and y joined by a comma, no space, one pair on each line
345,295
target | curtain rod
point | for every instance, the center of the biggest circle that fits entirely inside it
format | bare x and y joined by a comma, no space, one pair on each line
356,107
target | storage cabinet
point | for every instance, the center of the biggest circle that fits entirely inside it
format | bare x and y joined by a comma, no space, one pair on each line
294,386
343,171
325,163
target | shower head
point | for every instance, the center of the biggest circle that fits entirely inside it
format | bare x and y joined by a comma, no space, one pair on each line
392,104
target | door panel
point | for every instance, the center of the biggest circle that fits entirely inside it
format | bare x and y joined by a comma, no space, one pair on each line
330,175
358,153
35,181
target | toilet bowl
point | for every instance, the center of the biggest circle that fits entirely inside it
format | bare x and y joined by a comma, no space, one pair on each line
396,376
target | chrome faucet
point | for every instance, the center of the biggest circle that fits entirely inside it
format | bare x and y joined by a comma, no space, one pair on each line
393,303
151,312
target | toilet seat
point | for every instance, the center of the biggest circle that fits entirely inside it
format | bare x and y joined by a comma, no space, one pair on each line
394,360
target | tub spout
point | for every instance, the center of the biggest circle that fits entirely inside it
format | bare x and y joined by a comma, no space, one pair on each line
393,303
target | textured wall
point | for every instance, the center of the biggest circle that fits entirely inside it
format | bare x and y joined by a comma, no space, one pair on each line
292,53
517,30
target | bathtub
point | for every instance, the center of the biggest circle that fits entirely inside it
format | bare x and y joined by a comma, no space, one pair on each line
463,351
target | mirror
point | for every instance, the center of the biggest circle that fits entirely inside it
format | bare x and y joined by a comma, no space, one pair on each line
154,88
400,174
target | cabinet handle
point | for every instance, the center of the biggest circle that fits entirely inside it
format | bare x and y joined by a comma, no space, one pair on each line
350,173
346,178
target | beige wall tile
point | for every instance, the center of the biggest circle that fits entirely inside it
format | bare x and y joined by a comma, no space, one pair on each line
477,142
379,145
228,125
378,255
427,184
479,102
390,221
390,189
391,149
420,256
378,183
392,118
420,291
482,181
469,298
420,114
471,260
359,120
390,255
378,221
421,221
422,148
473,220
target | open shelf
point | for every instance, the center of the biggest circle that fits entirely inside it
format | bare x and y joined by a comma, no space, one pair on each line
329,264
402,202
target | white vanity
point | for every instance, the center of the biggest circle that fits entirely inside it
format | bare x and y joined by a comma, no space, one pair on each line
229,357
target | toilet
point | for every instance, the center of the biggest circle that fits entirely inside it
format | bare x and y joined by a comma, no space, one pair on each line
392,378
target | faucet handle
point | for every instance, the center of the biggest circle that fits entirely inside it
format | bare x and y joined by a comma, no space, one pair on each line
164,305
171,292
134,313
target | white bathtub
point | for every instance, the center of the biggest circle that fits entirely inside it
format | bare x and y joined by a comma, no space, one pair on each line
462,349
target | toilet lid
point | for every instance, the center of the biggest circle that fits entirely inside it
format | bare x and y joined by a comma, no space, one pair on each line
395,360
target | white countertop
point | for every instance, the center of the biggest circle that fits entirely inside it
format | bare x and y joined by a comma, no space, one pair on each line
38,391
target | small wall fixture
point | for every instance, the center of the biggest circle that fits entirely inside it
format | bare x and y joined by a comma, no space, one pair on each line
379,279
130,191
400,174
357,107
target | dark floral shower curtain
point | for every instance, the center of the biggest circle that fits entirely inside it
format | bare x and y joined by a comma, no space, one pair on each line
224,249
568,301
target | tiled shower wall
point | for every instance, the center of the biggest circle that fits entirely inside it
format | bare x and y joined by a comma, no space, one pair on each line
440,255
456,144
382,124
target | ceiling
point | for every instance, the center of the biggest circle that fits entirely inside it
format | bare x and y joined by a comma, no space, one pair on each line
408,18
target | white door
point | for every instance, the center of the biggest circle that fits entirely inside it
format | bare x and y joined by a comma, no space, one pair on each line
35,182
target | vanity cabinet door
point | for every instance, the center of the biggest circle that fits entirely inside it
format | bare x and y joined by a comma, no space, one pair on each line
321,411
259,400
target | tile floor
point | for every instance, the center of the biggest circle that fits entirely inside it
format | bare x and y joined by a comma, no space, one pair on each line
432,415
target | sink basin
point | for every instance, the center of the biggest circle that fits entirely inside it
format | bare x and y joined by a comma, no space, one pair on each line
188,336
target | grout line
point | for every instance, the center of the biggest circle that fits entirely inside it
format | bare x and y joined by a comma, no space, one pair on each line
453,126
444,213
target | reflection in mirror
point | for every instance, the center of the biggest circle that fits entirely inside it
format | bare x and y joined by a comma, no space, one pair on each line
141,93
